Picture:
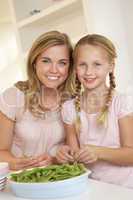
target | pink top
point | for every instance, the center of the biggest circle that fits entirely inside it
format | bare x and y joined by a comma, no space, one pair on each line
101,135
31,136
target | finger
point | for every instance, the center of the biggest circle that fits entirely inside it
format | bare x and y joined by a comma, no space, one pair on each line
61,158
84,156
88,158
25,163
90,161
65,156
66,153
43,158
60,161
43,163
79,153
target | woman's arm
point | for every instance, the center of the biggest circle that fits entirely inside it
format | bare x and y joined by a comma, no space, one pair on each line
71,137
66,152
6,137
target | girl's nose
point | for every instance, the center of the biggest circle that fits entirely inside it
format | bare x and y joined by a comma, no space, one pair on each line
89,70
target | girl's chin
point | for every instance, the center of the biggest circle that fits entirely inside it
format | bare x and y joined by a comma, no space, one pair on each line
90,85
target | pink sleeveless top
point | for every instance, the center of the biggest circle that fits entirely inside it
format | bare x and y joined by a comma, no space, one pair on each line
31,136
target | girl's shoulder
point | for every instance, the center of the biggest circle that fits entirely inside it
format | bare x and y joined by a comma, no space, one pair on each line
120,98
69,103
122,104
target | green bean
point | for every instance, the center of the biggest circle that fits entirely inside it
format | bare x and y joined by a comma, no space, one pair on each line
49,174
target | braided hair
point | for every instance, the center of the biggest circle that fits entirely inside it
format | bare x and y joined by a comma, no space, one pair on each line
103,115
78,104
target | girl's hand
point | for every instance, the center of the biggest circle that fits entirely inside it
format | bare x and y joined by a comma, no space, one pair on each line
86,154
64,154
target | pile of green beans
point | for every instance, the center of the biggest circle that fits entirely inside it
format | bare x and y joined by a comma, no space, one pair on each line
49,174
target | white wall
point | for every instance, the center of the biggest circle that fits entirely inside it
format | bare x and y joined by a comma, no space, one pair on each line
10,65
127,10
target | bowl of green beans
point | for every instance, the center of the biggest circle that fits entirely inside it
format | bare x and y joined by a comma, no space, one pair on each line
55,181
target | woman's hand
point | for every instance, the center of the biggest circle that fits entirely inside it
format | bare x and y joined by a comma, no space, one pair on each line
22,163
86,154
29,162
64,154
43,160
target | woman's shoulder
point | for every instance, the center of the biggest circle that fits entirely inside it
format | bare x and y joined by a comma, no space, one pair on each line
12,95
11,102
12,90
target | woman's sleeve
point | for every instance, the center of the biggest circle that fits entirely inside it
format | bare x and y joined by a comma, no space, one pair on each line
125,106
11,100
68,112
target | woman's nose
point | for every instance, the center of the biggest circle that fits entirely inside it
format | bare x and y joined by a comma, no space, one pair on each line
53,68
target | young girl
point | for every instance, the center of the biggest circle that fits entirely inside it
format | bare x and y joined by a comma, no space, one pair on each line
99,120
30,122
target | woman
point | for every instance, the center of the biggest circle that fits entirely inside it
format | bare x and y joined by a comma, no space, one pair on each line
30,121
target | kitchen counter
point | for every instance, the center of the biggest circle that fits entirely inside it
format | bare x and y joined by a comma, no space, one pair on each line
96,191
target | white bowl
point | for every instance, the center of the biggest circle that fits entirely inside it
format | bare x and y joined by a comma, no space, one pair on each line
58,189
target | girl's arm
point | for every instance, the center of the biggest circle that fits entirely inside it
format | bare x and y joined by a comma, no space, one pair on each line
118,156
124,154
6,137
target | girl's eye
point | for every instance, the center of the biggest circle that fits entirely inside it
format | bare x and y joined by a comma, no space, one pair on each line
82,65
97,64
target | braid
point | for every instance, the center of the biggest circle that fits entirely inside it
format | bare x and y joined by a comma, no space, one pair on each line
103,116
111,88
77,104
112,80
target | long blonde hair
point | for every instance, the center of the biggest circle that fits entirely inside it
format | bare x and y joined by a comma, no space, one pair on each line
32,87
107,45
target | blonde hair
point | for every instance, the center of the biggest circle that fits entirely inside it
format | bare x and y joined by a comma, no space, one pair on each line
107,45
32,87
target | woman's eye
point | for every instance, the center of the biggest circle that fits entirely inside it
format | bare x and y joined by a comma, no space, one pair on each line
62,63
45,61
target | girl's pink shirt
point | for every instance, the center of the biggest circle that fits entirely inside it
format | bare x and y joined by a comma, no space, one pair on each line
106,135
31,136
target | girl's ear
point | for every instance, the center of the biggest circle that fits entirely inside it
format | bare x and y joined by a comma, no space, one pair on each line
112,65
